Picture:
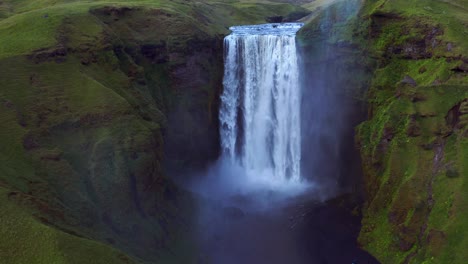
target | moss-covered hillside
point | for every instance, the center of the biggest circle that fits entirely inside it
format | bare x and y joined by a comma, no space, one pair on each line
412,59
414,146
96,98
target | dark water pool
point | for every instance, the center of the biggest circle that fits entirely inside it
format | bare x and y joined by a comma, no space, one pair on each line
297,231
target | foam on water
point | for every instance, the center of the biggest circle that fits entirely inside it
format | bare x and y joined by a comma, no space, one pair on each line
267,29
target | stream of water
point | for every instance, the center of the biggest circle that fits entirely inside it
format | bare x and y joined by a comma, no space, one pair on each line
260,105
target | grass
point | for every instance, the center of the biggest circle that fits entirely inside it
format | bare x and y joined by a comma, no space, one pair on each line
408,168
408,171
15,167
35,24
25,240
68,112
451,192
24,33
452,16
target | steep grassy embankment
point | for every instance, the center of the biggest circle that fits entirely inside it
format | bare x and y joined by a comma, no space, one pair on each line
90,92
412,56
415,144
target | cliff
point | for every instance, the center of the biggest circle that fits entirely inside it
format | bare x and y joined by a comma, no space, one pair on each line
414,145
406,61
99,100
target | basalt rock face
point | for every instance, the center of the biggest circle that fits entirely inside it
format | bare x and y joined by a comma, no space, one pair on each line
100,107
181,66
414,144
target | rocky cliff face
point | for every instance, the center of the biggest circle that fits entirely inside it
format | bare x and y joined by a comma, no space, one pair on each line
414,145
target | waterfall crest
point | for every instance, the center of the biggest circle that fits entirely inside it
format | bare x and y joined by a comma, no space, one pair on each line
260,124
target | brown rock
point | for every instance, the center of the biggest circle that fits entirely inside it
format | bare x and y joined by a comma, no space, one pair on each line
449,46
414,130
462,68
410,81
8,104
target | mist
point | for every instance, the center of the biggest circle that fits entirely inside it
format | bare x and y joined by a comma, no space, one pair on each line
331,105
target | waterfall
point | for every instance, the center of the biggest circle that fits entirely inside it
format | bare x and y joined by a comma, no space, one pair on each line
259,116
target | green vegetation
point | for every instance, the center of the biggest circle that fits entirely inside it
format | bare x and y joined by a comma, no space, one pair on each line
32,25
25,240
414,144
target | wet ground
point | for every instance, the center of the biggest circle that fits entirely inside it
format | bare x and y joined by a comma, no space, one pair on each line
295,231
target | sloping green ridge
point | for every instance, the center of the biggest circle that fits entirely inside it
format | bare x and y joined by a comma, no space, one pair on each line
36,23
25,240
58,100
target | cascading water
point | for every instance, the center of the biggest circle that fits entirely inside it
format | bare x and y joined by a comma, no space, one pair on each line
260,105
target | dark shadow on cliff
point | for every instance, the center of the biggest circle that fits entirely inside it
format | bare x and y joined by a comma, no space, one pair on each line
335,77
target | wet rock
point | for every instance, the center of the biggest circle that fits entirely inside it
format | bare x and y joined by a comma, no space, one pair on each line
420,45
157,53
274,19
404,245
294,16
428,146
461,68
414,130
449,46
408,80
30,142
452,118
418,97
85,61
53,155
387,137
57,54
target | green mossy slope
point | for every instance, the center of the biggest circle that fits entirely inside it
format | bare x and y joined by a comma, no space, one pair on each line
25,240
414,145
